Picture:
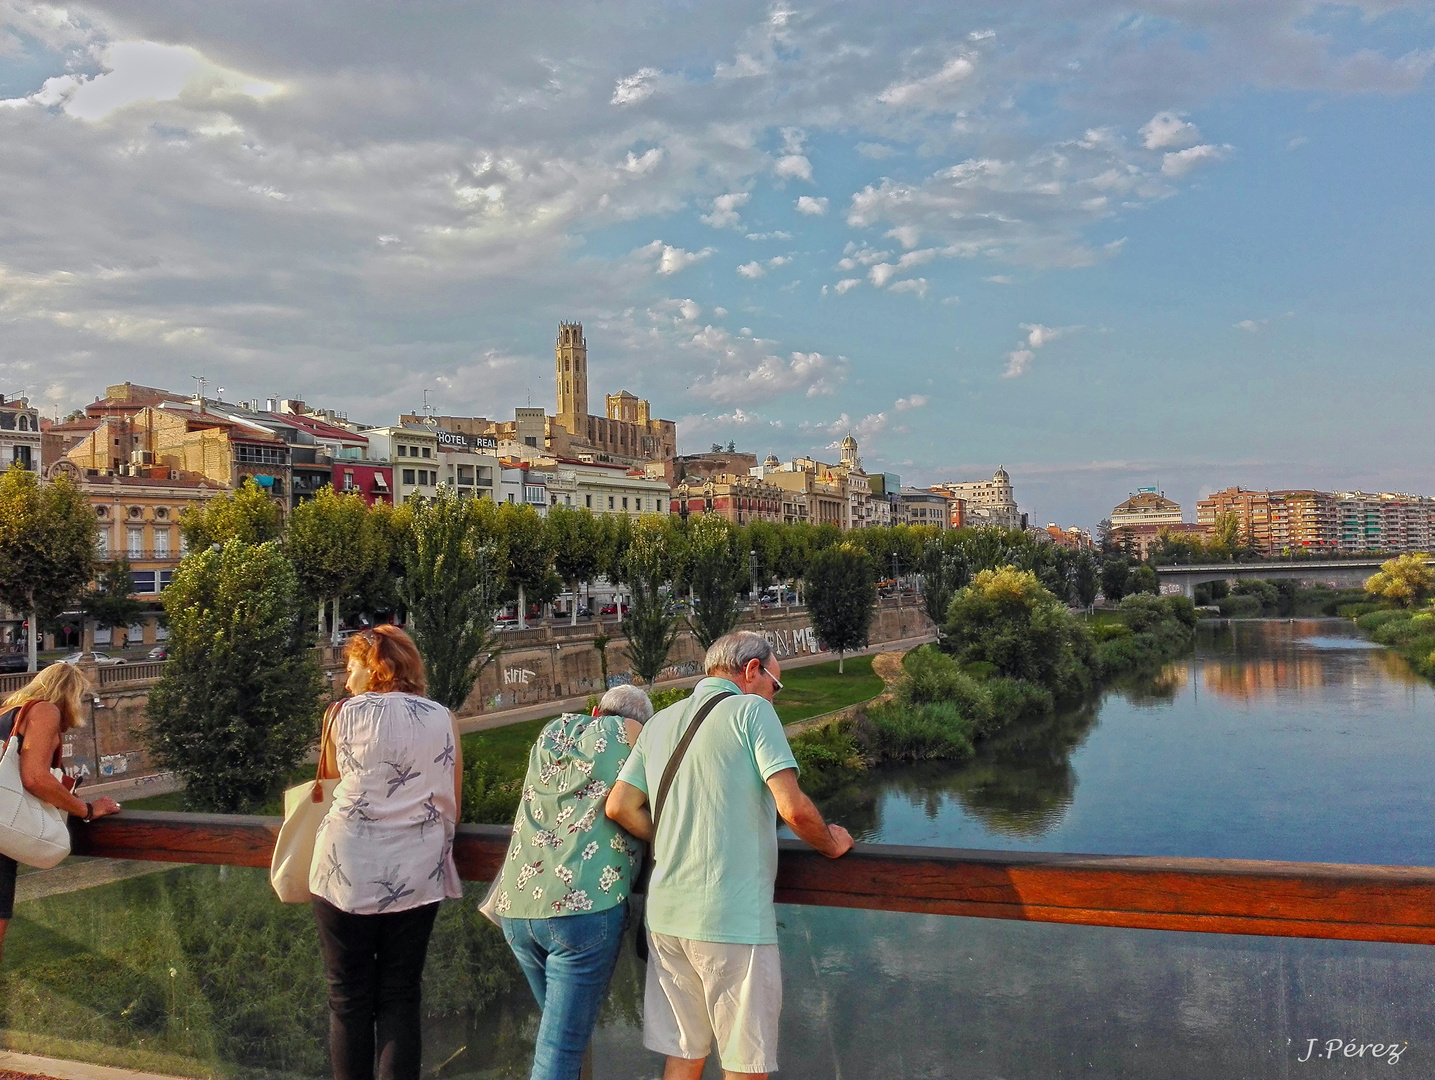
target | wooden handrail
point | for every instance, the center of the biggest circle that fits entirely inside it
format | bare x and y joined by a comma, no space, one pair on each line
1214,896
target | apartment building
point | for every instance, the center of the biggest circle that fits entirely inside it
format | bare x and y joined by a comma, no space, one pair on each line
738,497
917,506
20,439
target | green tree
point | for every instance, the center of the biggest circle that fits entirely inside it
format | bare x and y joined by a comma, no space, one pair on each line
842,598
1406,579
451,593
1115,576
1086,577
716,578
1006,618
248,514
375,597
328,543
1142,579
601,641
649,628
47,547
237,707
109,601
576,540
528,556
944,570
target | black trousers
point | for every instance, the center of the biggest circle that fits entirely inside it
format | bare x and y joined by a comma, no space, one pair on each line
374,966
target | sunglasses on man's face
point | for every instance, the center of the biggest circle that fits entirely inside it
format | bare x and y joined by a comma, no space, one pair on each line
776,682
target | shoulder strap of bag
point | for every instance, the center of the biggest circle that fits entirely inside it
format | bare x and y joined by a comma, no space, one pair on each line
680,751
330,714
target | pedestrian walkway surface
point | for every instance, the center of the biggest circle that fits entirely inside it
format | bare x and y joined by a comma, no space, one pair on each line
15,1066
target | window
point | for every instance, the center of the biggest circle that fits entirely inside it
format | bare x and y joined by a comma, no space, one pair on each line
625,502
510,496
161,513
588,501
428,451
610,502
485,476
465,475
135,513
136,543
102,544
403,450
349,480
144,581
408,476
262,455
165,577
101,512
161,543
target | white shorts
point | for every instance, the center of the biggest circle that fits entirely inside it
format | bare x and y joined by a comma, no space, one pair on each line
701,990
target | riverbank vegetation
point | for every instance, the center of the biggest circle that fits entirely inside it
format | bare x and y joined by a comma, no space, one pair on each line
1277,598
1010,651
1404,618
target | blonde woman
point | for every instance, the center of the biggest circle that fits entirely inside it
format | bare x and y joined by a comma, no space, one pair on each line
38,714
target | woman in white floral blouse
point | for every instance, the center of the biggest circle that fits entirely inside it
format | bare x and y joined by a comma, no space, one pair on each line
564,888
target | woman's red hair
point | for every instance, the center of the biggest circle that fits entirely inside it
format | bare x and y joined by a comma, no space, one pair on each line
391,659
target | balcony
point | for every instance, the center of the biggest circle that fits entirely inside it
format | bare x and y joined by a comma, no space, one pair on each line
897,962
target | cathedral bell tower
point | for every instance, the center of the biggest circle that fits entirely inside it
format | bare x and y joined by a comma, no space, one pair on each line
571,378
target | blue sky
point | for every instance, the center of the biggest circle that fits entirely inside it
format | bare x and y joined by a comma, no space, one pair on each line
1104,245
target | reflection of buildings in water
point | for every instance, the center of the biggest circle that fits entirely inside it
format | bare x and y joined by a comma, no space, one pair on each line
1246,679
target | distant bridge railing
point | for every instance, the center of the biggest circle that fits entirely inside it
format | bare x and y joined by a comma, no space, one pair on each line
1212,896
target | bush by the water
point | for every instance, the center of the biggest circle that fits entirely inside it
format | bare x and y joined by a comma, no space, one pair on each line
489,797
936,730
1006,618
1411,633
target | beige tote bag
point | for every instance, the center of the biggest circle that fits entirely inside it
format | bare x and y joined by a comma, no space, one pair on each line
304,808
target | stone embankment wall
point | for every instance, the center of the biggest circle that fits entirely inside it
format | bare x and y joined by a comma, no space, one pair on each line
545,663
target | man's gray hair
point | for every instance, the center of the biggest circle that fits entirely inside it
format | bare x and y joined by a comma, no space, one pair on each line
733,652
626,701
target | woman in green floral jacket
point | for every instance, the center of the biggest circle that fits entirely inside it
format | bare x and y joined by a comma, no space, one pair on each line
564,888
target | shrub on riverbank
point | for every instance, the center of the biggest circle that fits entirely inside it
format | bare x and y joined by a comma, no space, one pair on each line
1018,650
1410,633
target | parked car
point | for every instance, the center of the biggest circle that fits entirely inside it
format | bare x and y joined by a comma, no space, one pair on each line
612,609
12,662
159,652
98,657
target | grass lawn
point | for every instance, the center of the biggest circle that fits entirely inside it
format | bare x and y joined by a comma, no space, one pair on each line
808,691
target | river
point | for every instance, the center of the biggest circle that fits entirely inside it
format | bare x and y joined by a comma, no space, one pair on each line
1274,740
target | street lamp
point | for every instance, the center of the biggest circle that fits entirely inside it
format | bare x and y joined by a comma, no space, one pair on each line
752,567
897,583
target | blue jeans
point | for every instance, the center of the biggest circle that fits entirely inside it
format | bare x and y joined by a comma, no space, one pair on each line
568,961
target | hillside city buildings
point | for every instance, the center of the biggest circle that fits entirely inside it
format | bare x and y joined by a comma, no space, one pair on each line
1325,521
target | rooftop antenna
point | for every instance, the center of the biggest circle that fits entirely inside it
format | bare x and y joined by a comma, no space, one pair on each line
200,382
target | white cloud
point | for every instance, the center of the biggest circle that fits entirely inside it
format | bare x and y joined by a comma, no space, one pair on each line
930,90
751,270
1038,335
909,236
1249,325
1001,279
779,235
816,207
644,164
915,401
875,151
911,285
146,71
636,87
1296,142
724,213
779,260
882,273
793,167
672,259
846,285
1017,362
689,310
1166,130
744,372
1180,162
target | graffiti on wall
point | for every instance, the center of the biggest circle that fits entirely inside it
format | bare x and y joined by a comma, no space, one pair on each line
622,678
681,670
517,676
799,642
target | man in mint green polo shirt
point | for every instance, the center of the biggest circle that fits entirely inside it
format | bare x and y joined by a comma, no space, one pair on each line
713,966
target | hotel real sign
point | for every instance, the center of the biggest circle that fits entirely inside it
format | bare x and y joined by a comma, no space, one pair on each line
456,440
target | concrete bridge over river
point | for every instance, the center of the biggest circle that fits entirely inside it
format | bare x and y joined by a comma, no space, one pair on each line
1337,573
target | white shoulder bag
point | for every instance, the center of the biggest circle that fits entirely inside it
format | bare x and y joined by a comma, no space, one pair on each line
31,831
304,808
